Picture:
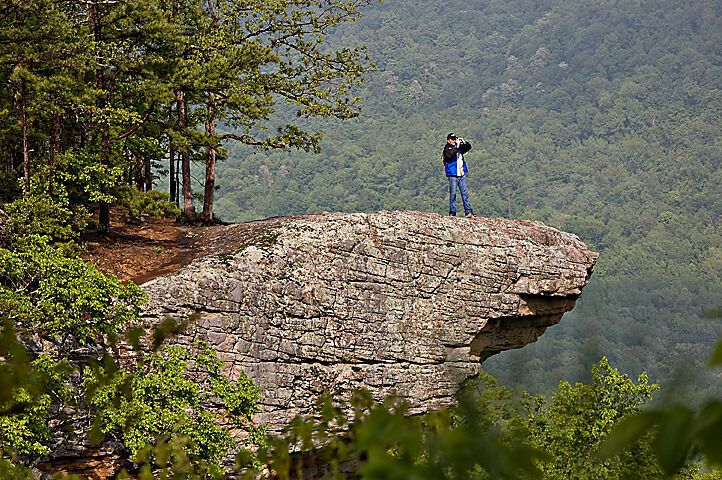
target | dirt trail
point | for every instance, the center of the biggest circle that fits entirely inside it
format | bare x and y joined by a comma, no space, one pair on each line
141,252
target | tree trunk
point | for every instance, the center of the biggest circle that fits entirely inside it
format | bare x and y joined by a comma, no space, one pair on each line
177,180
171,160
104,208
172,174
189,211
54,147
148,174
210,181
23,103
137,171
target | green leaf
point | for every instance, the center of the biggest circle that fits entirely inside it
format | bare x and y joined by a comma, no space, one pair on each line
626,433
708,425
674,439
715,360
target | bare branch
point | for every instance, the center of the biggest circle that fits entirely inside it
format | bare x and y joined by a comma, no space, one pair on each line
132,129
249,140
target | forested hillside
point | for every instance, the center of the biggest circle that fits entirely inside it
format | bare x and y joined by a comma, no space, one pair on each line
597,117
601,118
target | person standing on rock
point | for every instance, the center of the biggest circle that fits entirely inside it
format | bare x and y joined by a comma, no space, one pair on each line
455,168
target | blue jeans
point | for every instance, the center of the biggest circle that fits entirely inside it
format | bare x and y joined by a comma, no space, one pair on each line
459,182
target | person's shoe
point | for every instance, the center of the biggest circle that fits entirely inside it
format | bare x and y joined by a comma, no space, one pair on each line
470,215
452,214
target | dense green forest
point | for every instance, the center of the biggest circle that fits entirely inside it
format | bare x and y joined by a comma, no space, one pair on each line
601,118
597,117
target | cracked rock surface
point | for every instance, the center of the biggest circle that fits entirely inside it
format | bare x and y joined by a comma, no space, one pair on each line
402,303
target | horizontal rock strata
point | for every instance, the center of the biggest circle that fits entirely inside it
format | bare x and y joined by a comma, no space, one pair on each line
401,303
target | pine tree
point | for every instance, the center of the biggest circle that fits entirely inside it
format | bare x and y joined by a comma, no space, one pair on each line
41,53
244,59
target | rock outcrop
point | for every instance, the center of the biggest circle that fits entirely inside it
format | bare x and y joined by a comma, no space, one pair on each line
402,303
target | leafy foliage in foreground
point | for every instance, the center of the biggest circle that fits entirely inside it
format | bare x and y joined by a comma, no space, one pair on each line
680,432
489,435
52,298
159,400
46,292
383,442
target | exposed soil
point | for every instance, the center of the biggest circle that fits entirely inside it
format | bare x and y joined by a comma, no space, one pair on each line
140,252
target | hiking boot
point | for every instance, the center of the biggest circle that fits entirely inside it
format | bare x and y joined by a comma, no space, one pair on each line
470,215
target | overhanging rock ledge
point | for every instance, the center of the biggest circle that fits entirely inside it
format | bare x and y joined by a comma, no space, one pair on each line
402,303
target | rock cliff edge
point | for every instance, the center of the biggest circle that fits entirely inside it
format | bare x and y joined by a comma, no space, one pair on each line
402,303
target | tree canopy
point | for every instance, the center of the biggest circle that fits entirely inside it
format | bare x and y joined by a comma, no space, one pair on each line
101,94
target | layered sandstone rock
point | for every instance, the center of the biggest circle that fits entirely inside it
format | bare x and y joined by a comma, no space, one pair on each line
401,303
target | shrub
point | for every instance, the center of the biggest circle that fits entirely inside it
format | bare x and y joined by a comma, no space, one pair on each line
159,400
154,203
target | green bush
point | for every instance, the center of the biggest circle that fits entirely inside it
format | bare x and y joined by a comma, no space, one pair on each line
45,292
490,434
154,203
42,215
577,419
157,402
28,389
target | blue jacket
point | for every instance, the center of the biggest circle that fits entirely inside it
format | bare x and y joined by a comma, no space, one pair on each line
454,162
